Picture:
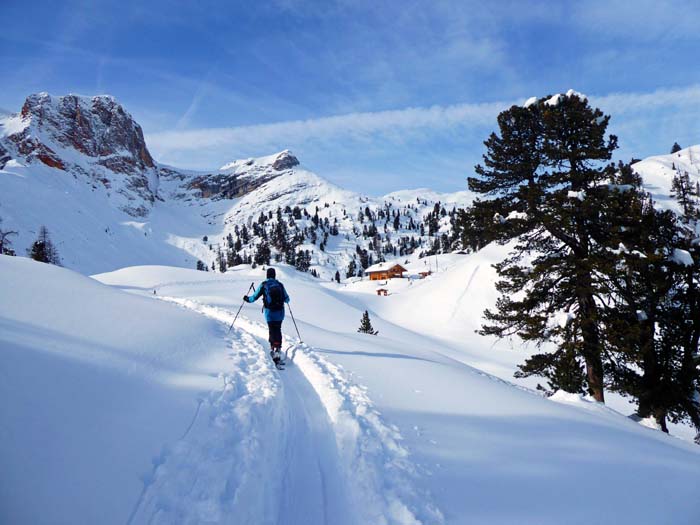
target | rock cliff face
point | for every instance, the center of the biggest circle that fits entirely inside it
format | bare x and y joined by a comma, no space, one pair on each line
4,156
97,127
241,177
95,139
90,137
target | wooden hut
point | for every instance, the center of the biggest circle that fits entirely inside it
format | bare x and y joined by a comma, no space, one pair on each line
383,271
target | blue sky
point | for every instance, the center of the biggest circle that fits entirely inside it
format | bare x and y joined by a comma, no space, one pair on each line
373,95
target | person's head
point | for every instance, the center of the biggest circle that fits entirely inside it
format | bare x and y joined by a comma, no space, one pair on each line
271,274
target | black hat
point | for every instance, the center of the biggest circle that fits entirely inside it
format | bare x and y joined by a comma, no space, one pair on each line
271,273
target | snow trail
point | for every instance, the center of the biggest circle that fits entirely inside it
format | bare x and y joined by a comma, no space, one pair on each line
314,489
460,299
224,467
328,455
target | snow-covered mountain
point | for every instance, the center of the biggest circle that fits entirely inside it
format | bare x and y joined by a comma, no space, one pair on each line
658,172
91,138
80,166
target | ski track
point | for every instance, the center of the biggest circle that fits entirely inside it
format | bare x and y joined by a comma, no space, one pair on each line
301,446
464,293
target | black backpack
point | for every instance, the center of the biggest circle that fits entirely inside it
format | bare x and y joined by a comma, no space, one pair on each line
273,295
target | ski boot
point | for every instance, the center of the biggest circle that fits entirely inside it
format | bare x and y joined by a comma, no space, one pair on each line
276,354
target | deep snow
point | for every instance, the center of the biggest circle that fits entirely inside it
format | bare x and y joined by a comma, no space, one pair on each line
122,405
129,406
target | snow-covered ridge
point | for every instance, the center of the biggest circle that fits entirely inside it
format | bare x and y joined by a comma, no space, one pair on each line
278,161
658,171
240,177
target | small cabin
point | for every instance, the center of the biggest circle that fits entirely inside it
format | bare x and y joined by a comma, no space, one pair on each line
383,271
382,291
425,274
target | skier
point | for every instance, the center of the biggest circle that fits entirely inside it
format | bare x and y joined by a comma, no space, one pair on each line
274,298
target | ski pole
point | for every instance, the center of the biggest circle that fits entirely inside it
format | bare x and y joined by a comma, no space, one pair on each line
295,323
252,285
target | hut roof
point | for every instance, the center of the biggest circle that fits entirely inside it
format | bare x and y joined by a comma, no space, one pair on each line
384,267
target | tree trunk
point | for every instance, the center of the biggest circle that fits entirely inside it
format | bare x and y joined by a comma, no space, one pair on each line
650,376
592,352
644,408
594,373
660,417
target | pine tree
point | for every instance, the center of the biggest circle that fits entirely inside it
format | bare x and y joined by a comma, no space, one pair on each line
548,165
5,244
675,148
245,235
476,226
352,269
562,369
303,260
685,193
366,325
290,255
221,258
337,276
43,250
652,318
262,254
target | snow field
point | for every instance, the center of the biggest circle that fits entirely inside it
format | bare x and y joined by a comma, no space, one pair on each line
487,451
372,452
94,381
367,453
128,409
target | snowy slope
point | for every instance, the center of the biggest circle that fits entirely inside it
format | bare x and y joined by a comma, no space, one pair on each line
438,437
658,172
94,383
182,423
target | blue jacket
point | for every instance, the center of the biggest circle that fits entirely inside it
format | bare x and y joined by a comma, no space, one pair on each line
270,315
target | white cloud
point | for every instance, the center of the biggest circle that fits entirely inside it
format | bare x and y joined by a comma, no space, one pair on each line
620,103
395,125
392,125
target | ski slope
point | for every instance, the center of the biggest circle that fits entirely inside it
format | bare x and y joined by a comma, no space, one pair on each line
125,406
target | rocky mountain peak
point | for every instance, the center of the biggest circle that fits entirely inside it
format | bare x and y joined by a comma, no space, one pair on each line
285,161
89,137
97,127
240,177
